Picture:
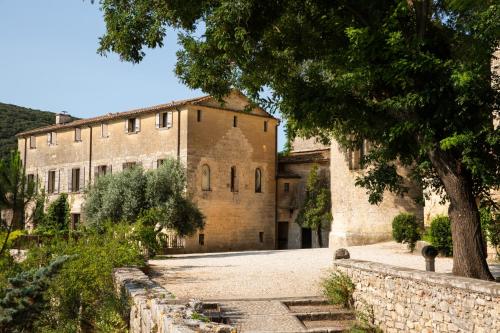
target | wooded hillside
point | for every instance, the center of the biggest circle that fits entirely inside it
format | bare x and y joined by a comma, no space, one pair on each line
15,119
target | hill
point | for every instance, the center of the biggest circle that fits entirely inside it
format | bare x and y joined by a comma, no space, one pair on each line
15,119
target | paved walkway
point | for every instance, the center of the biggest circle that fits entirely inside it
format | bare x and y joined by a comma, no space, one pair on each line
268,274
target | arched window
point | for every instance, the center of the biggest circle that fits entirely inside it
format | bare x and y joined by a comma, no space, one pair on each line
258,180
234,180
205,178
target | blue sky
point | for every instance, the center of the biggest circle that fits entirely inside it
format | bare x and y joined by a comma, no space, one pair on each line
48,61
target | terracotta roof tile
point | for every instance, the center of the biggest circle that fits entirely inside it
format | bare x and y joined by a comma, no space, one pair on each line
114,115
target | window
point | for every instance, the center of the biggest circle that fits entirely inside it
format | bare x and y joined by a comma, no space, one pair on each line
265,126
198,115
132,125
78,134
75,180
234,180
201,239
102,170
356,156
205,178
129,165
286,187
75,220
235,121
51,181
164,119
104,130
32,142
261,237
31,178
258,180
160,162
51,138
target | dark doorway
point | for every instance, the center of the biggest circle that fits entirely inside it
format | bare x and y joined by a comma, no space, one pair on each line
306,238
282,235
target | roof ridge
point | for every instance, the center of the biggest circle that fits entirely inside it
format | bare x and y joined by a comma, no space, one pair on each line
115,115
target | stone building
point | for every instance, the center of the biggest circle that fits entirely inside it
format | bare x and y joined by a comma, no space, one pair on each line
249,197
293,171
229,152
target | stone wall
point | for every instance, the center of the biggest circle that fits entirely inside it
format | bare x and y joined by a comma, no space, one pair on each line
154,310
407,300
355,220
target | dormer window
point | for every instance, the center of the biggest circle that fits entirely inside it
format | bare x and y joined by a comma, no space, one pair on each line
164,119
51,138
132,125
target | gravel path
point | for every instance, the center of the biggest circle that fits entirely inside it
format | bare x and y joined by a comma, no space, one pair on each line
268,274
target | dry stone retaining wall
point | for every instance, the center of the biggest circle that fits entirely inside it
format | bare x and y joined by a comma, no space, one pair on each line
154,310
407,300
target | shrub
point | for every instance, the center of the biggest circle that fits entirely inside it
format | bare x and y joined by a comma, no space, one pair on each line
24,300
57,218
440,234
405,229
490,223
82,295
338,289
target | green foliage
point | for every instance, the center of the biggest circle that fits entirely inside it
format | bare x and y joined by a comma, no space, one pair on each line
146,231
440,234
24,301
413,78
181,215
38,213
15,119
57,218
316,210
15,193
338,289
83,296
132,194
490,223
406,230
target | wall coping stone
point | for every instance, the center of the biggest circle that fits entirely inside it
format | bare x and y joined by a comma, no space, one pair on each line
155,309
446,280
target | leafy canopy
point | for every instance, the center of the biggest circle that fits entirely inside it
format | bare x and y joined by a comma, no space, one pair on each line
409,76
135,194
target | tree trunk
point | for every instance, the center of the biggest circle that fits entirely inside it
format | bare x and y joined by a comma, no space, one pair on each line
320,238
469,257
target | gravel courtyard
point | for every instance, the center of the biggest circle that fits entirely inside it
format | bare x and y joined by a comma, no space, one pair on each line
268,274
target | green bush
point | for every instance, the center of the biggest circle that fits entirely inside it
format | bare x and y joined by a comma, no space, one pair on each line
57,218
24,299
82,295
338,289
405,229
440,234
490,223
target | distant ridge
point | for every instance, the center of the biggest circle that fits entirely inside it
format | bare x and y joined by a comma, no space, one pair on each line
15,119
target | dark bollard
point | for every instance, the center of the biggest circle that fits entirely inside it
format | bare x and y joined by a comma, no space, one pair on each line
430,253
342,254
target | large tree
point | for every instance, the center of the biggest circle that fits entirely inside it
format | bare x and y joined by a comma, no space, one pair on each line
411,76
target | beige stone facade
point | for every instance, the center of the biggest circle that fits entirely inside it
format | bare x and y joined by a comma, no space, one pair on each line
355,220
225,139
293,172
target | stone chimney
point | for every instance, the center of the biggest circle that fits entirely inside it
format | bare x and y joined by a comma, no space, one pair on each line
62,118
